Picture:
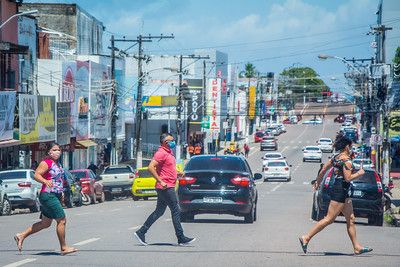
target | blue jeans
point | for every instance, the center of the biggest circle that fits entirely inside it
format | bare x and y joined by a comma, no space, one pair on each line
166,197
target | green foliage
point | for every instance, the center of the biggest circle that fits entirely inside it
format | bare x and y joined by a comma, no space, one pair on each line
298,79
396,59
250,71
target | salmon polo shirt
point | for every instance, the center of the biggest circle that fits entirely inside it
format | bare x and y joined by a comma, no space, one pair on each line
166,168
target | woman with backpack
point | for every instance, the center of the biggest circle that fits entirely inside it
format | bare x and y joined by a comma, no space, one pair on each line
340,201
50,174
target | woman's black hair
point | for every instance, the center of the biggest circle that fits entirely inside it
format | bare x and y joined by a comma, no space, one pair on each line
164,136
50,146
341,142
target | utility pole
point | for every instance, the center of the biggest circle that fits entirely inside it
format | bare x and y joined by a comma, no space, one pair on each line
113,156
139,41
181,102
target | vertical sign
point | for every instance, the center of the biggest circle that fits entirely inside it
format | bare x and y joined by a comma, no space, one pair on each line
214,103
28,114
252,102
195,104
63,123
7,106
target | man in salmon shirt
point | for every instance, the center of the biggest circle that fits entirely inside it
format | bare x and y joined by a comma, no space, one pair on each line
163,169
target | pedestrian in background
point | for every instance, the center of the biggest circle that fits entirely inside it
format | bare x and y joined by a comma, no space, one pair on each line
246,150
163,169
340,201
51,175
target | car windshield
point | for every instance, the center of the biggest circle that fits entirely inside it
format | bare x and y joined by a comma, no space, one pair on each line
276,164
259,134
325,141
144,173
269,138
216,163
312,148
79,175
272,156
367,178
118,170
13,175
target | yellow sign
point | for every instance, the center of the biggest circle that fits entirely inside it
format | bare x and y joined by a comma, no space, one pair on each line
151,101
252,102
394,123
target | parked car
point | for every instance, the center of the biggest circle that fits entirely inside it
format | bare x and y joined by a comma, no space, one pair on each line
312,153
271,156
258,136
274,130
219,185
287,121
340,118
366,193
117,181
351,133
269,142
5,205
72,191
277,170
325,144
144,185
367,163
91,184
22,189
281,127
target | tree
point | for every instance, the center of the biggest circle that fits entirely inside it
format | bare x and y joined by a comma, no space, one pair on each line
300,79
396,64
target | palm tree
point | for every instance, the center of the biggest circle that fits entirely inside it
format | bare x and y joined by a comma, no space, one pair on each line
250,71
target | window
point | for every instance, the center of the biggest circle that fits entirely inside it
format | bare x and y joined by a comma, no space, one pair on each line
117,170
144,173
216,163
79,175
13,175
276,164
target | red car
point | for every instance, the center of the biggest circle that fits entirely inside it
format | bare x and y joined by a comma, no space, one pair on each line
258,136
287,121
91,185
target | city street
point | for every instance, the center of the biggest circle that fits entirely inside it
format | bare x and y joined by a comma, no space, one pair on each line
103,233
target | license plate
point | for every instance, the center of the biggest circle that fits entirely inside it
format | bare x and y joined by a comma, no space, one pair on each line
212,199
150,191
116,190
357,193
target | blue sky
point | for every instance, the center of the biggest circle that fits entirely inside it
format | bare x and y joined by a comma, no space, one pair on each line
272,34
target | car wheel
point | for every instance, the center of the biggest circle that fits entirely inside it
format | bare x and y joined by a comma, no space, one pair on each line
255,212
102,197
109,196
86,199
320,160
36,206
304,160
145,198
289,179
375,220
135,198
185,217
6,208
249,218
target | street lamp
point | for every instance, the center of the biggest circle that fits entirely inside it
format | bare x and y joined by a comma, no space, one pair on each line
29,12
324,57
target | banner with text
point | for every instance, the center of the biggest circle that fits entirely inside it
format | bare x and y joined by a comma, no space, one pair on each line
195,104
214,103
252,102
63,123
7,106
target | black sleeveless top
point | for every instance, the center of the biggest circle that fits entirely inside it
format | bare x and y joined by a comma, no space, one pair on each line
338,166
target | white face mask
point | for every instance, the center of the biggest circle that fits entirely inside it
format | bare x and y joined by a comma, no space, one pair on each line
55,154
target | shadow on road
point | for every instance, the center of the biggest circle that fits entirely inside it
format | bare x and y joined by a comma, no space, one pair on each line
221,221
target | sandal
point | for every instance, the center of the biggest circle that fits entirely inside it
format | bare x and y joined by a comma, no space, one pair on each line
17,240
303,245
363,250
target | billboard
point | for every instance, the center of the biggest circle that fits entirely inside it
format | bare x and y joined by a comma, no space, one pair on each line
81,104
67,91
195,104
214,103
252,102
394,123
36,118
63,123
7,106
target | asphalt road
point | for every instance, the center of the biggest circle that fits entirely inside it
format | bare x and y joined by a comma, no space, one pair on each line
103,232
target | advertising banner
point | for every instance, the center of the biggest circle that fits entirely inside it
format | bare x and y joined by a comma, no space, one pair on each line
252,102
394,123
195,104
63,123
7,106
81,103
214,103
36,118
67,92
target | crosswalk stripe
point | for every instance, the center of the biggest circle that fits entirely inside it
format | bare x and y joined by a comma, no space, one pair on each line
84,242
19,263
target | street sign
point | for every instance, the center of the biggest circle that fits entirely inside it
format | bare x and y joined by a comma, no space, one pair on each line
205,123
375,139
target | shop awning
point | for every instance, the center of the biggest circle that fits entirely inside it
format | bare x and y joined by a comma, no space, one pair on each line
8,143
86,143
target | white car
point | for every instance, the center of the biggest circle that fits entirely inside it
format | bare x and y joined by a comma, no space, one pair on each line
313,121
5,205
312,153
277,170
272,156
325,144
367,163
21,188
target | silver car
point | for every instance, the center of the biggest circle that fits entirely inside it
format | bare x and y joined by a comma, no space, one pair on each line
22,189
5,205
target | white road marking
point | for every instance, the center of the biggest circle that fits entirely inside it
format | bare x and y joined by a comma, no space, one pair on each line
276,187
84,242
134,227
19,263
168,220
114,210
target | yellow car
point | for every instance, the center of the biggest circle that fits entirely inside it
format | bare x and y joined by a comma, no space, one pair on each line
144,184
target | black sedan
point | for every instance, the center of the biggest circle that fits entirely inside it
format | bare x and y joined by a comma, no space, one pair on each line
218,185
366,193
